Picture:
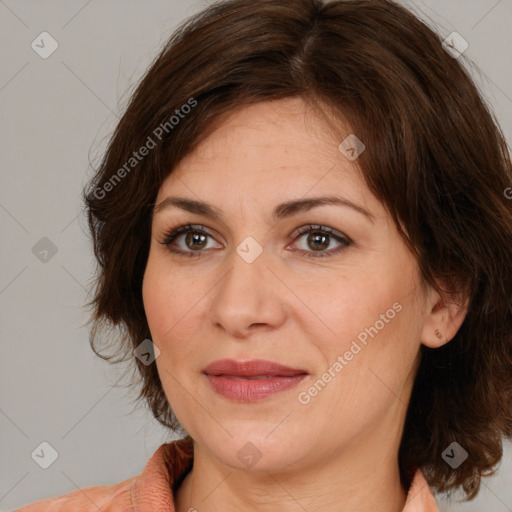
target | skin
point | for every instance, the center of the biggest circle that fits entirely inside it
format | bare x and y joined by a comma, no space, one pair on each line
339,451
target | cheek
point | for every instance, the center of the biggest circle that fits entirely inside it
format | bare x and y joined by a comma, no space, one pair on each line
363,380
375,325
164,293
155,298
163,311
174,312
164,301
361,309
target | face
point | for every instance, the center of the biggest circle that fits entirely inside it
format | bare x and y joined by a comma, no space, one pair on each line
341,301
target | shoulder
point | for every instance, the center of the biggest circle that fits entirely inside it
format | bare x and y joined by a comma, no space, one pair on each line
149,491
108,498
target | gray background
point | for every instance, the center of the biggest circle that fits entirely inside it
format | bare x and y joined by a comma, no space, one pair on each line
56,114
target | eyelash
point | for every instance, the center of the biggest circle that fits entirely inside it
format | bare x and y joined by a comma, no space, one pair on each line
174,233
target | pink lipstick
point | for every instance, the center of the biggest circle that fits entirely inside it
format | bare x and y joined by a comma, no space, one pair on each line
248,381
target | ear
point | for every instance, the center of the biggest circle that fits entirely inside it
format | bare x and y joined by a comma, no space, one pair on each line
444,315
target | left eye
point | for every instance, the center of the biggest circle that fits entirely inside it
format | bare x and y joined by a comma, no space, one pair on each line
318,237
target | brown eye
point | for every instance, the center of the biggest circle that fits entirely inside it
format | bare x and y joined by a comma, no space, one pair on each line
196,239
318,241
319,238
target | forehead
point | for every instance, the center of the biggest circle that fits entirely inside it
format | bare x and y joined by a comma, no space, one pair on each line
266,152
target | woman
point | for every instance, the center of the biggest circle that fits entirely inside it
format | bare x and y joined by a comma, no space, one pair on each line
304,240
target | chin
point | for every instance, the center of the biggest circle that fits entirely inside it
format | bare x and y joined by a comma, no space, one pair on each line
257,451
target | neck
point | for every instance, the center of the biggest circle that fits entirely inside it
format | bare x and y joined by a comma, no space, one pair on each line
364,477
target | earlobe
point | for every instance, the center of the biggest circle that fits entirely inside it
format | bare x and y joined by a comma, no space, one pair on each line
440,336
443,321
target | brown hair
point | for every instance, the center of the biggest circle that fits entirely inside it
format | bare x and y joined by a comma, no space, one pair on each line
435,156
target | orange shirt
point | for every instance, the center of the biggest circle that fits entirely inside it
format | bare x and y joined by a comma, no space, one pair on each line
152,490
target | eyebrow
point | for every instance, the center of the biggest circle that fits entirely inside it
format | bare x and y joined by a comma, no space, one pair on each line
280,212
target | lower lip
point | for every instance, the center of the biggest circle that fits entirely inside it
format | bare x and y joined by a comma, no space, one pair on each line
251,390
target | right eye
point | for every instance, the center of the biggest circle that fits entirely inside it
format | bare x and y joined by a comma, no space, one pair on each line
195,236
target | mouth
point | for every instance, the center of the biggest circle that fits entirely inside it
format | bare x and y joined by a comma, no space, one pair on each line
257,368
254,377
252,380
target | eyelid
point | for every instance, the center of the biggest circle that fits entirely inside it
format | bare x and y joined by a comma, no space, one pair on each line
309,228
173,233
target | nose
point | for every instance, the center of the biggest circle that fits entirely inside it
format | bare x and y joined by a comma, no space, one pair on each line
249,298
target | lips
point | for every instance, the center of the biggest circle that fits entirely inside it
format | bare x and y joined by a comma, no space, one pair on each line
257,368
251,381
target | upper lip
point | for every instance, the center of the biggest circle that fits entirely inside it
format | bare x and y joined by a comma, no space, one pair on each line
254,368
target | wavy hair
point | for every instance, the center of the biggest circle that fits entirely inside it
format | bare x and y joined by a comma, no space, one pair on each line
435,156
